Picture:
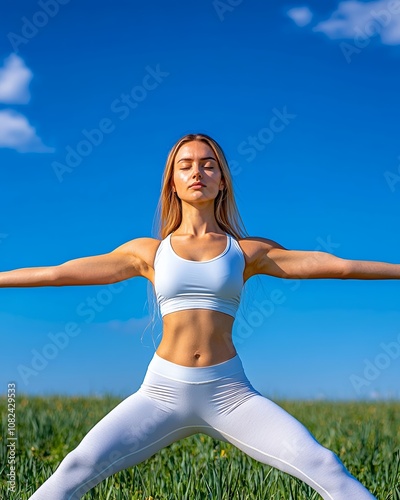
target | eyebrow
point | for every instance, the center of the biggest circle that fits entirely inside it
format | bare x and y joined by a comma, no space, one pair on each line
201,159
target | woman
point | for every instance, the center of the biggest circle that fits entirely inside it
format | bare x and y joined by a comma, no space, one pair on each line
195,381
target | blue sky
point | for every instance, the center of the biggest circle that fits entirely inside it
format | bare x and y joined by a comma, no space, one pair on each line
302,97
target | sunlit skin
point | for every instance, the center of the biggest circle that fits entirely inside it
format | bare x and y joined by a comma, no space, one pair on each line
195,162
198,337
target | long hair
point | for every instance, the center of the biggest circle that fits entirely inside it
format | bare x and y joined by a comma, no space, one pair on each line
168,215
169,208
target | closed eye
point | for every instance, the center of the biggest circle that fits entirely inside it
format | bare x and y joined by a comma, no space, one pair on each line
206,166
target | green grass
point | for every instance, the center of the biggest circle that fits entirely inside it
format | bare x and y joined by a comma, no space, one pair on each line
366,436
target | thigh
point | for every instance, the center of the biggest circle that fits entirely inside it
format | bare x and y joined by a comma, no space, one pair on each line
269,434
130,433
134,430
266,432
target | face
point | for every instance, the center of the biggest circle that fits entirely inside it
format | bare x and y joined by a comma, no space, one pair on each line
195,162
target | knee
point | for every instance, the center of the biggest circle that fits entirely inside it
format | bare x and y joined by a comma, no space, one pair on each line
80,467
74,461
88,463
330,462
77,474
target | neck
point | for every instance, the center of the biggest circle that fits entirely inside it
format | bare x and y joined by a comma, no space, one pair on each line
197,220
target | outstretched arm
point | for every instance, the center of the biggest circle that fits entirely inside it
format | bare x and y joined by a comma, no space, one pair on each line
120,264
275,260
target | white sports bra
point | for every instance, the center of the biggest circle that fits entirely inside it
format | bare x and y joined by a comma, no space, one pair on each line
187,284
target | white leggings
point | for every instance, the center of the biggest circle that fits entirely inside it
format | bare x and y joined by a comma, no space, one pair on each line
176,401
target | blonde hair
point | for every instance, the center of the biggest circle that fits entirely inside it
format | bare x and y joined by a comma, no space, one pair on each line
169,208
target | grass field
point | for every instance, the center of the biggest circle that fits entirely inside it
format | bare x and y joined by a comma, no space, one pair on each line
366,436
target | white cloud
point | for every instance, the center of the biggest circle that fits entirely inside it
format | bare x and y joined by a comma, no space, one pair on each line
15,130
14,81
17,133
130,326
300,15
364,19
391,35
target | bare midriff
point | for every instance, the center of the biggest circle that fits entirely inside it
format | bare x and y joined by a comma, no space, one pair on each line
197,337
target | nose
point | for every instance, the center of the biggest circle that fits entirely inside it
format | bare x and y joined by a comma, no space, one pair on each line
196,170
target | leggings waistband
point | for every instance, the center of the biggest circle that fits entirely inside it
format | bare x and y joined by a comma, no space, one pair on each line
192,374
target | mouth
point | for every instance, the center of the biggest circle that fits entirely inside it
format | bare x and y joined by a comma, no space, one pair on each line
197,184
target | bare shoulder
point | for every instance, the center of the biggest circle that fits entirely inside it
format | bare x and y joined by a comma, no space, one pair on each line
255,248
253,245
143,250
